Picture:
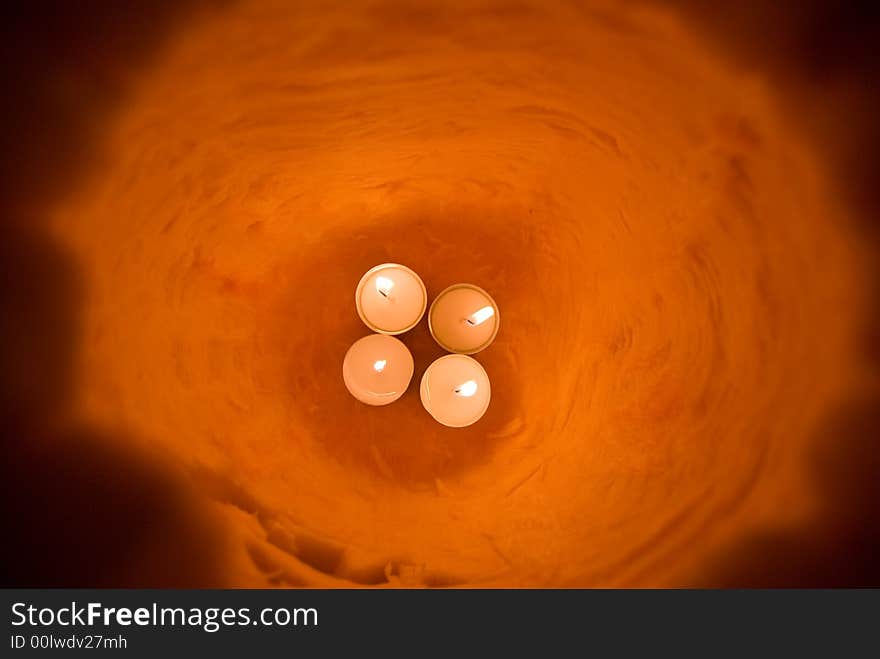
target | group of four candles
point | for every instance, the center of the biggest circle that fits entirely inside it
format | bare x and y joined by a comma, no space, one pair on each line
391,299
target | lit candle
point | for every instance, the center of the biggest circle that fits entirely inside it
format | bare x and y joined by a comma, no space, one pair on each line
391,298
377,369
455,390
464,319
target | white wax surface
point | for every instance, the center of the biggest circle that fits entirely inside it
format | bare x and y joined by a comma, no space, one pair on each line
402,305
449,314
377,369
455,390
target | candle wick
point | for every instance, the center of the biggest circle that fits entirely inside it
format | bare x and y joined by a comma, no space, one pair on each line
384,286
480,316
467,389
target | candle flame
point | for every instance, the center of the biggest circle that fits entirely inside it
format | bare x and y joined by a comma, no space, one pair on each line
480,316
384,286
379,365
468,388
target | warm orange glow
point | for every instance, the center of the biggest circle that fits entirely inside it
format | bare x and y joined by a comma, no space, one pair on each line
681,389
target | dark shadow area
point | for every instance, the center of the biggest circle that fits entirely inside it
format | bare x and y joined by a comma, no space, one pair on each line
84,509
40,294
66,68
840,547
80,509
823,59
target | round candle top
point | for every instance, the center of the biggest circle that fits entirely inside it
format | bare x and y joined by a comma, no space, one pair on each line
464,319
391,298
455,390
377,369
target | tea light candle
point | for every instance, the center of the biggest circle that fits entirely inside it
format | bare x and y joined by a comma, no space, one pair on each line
455,390
377,369
464,319
391,298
